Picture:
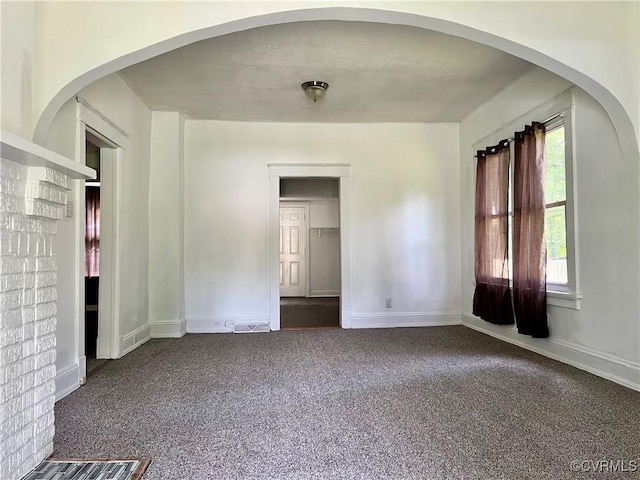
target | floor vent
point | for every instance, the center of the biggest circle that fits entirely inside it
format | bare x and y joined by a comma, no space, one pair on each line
251,327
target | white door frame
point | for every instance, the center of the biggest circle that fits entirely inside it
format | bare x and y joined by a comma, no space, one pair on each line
342,171
305,226
113,151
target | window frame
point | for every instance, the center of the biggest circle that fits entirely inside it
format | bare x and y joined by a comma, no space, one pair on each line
566,294
559,109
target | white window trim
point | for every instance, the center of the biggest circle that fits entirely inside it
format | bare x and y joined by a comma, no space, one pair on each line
565,295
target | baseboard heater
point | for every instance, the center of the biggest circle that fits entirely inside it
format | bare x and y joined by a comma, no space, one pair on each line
249,327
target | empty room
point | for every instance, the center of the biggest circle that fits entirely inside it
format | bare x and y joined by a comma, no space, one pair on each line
285,241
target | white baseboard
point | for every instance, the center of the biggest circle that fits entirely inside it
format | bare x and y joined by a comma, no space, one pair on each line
82,367
67,380
222,324
168,328
133,340
404,319
324,293
602,364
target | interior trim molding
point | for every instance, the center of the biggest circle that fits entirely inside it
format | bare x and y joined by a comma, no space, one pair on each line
324,293
404,319
168,328
302,170
607,366
67,380
134,339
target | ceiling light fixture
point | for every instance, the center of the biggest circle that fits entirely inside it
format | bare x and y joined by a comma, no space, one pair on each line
315,89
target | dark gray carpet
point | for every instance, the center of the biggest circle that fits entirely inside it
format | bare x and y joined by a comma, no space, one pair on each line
430,403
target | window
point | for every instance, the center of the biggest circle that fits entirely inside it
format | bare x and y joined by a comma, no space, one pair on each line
555,220
562,271
560,224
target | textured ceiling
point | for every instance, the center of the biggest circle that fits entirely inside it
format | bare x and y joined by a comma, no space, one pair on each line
376,73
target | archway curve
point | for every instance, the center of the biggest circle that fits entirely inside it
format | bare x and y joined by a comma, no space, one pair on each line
619,116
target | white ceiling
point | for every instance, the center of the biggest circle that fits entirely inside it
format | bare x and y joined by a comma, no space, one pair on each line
376,73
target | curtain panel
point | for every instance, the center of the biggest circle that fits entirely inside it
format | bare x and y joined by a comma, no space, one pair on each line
92,233
492,298
529,247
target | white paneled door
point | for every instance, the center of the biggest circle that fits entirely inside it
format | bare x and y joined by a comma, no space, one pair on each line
293,232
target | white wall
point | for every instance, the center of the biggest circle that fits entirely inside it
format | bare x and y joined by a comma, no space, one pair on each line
606,64
16,54
117,102
603,335
404,216
166,226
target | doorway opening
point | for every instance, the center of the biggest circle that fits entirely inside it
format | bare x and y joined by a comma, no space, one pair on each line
92,257
309,264
98,253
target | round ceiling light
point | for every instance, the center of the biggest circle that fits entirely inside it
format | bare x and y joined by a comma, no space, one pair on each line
315,89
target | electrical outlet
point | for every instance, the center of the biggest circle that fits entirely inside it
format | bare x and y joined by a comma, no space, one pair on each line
135,339
387,302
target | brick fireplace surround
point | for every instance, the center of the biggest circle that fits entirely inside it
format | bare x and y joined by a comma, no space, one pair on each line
33,196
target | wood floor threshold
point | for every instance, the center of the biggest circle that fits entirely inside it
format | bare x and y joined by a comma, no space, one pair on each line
309,328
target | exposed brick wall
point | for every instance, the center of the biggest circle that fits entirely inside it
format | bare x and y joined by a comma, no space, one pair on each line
31,200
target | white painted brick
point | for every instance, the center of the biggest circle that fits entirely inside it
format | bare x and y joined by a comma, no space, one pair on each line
11,281
12,265
8,243
28,315
10,372
43,327
47,175
47,294
46,264
5,221
10,354
44,375
28,399
11,319
30,264
10,390
32,244
29,280
28,347
42,391
46,279
11,408
45,310
28,364
29,330
28,381
10,204
28,297
31,200
46,357
13,170
10,300
41,208
11,336
45,226
48,342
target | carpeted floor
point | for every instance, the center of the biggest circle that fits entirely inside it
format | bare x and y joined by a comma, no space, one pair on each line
430,403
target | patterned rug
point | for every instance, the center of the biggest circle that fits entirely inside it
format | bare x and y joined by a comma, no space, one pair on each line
90,469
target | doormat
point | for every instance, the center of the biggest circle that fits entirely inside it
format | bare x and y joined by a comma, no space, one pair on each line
90,468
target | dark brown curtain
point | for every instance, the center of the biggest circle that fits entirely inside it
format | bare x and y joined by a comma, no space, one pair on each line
492,297
529,248
92,233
